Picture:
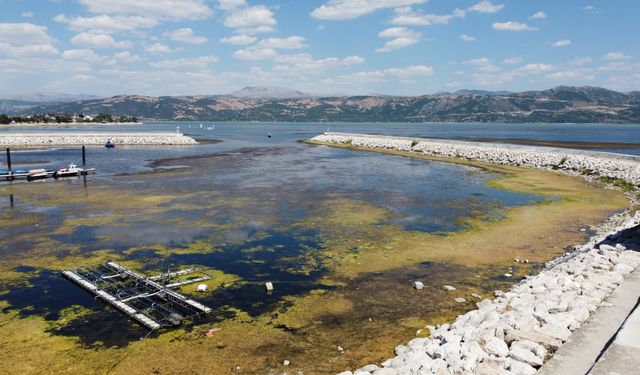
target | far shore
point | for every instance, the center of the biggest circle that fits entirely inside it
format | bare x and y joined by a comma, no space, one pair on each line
65,124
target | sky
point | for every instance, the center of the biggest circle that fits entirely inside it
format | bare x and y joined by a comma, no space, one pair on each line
348,47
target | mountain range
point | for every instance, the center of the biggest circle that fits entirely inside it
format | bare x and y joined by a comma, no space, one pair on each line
561,104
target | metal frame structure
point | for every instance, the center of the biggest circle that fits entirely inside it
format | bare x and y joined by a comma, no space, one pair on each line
150,301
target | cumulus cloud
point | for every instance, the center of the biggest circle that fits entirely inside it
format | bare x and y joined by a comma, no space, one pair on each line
384,75
590,9
305,63
483,64
486,7
513,26
127,57
255,19
239,40
538,16
572,75
92,40
400,37
27,14
185,35
255,53
468,38
350,9
82,55
408,16
24,39
561,43
581,61
162,9
292,42
531,69
512,60
105,24
197,62
159,49
615,56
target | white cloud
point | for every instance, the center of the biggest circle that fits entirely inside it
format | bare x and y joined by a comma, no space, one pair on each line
486,7
163,9
401,37
459,13
197,63
531,69
159,49
407,16
590,9
99,41
28,50
468,38
127,57
304,63
82,55
538,16
292,42
255,53
25,39
230,5
239,40
185,35
561,43
378,76
256,18
105,24
27,14
24,33
581,61
512,60
350,9
513,26
483,64
615,56
572,75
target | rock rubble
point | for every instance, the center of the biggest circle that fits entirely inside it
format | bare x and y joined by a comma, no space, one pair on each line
119,138
520,329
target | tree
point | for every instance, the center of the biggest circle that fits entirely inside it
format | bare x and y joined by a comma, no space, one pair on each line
4,119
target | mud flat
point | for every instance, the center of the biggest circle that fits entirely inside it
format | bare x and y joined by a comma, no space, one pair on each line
27,140
521,329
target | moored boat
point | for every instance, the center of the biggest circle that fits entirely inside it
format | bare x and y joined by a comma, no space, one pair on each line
70,170
36,174
109,144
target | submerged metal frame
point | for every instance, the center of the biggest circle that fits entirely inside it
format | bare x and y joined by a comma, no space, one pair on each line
148,300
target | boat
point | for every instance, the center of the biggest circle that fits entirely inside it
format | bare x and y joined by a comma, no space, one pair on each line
36,174
109,144
70,170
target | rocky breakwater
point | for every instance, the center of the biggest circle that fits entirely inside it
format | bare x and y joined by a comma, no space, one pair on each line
93,138
520,329
587,163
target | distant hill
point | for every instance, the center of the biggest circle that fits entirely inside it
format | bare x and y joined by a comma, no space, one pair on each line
560,104
264,92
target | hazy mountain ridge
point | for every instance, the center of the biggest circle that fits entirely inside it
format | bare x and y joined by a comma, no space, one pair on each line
559,104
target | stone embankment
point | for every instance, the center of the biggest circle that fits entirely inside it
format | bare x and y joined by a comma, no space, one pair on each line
519,330
93,138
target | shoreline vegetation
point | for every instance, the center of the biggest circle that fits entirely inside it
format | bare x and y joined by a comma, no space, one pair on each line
519,330
65,118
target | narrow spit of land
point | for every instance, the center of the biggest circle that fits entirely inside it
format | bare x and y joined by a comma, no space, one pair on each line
519,331
30,140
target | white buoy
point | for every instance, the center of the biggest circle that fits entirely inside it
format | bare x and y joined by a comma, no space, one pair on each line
269,286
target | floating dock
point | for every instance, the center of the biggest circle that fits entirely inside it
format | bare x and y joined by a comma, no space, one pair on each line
148,300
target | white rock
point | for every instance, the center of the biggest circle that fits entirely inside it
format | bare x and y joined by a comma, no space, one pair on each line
460,300
418,285
521,354
519,368
497,347
623,269
448,287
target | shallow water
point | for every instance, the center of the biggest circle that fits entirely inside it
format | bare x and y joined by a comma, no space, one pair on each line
252,209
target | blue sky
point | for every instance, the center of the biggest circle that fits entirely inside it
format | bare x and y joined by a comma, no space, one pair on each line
404,47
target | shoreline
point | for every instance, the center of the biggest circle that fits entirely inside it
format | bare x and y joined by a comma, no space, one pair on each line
38,140
516,332
66,124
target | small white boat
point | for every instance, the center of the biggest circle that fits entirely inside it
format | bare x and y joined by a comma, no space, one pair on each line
70,170
36,174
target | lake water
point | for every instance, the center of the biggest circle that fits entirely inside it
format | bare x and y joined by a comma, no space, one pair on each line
253,209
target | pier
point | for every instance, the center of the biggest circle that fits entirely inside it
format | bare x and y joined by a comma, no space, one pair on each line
150,301
41,173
